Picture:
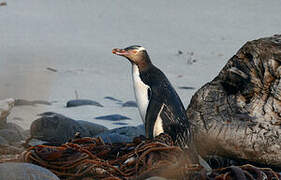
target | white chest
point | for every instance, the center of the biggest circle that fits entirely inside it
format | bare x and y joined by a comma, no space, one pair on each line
158,126
141,92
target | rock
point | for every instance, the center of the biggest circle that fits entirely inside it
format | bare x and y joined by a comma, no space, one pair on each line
112,99
186,87
120,123
130,104
82,102
23,102
114,138
238,114
113,117
25,171
3,4
11,135
3,141
92,128
5,108
52,69
129,132
180,52
48,114
56,128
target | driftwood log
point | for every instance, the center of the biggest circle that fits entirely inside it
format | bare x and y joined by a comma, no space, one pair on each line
238,114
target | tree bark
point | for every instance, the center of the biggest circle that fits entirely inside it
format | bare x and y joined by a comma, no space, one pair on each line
238,114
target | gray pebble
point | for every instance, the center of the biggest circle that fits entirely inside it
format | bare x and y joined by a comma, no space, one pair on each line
186,87
113,117
120,123
130,104
112,99
82,102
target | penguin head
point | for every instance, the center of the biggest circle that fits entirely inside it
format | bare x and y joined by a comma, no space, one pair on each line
135,54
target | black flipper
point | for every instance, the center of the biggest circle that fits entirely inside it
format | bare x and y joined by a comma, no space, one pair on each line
152,112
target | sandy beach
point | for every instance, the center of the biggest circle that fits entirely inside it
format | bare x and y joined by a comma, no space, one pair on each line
55,50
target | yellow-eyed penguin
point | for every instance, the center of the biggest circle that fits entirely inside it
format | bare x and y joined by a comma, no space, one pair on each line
159,105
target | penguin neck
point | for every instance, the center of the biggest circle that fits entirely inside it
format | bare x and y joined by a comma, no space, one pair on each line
141,91
144,63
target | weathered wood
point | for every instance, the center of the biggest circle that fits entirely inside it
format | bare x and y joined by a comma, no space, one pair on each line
238,114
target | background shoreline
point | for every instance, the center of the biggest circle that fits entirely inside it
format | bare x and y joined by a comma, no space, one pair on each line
190,41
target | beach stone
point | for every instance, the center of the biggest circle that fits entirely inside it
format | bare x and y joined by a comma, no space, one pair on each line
130,104
112,99
92,128
114,138
186,87
82,102
113,117
25,171
11,135
5,108
128,131
24,102
56,128
120,123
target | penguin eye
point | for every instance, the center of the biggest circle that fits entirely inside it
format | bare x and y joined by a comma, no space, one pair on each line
149,93
134,51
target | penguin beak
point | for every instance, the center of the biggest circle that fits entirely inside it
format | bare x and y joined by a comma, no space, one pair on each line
120,52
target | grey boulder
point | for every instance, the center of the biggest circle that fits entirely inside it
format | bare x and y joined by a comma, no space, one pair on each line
123,134
92,128
56,128
25,171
